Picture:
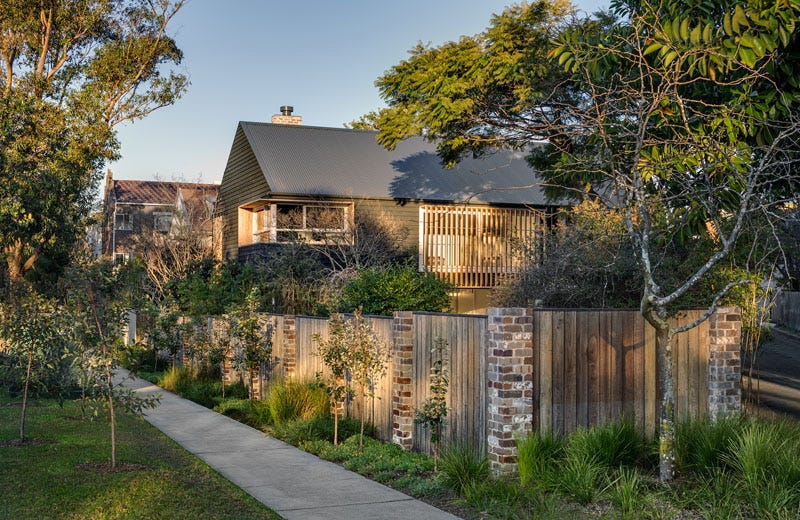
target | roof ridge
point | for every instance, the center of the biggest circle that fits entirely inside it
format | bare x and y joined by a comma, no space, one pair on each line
310,127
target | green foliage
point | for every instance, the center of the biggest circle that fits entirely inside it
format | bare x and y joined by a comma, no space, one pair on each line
610,445
301,432
190,384
336,356
292,400
368,358
383,290
166,335
290,278
461,467
764,451
494,77
209,288
254,339
700,446
29,330
537,454
433,411
625,491
579,478
68,82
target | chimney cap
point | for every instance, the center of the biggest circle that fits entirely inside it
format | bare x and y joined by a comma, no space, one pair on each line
287,110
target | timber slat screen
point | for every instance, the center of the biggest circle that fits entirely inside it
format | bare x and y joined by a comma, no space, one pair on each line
593,366
471,247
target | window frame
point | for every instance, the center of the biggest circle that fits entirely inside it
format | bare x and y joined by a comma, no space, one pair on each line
161,217
124,217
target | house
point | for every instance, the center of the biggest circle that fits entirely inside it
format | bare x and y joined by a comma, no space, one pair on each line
134,209
285,182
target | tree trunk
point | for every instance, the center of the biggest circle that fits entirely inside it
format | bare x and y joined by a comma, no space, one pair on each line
111,415
361,435
336,423
25,397
666,431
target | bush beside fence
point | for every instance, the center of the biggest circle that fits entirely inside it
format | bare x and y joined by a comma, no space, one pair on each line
521,369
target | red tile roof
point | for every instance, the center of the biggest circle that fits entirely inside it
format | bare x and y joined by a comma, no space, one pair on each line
155,192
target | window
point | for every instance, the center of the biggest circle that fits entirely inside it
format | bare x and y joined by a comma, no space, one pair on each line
261,225
123,222
121,258
317,223
162,221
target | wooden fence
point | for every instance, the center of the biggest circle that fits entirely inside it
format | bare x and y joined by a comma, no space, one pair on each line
594,366
587,367
786,311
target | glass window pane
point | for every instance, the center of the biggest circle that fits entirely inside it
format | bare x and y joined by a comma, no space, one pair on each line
289,216
321,217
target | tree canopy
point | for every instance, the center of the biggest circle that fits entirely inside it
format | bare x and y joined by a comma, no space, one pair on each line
71,71
682,115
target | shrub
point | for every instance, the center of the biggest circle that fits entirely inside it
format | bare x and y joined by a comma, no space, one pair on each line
300,432
578,477
290,400
701,445
383,290
536,456
462,466
234,408
625,491
611,445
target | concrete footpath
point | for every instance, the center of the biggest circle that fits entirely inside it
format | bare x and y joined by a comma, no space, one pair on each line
293,483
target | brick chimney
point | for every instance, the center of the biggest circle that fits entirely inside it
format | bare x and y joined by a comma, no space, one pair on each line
286,117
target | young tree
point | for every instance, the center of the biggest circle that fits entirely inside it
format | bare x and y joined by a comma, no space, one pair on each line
96,304
70,71
335,355
255,340
28,326
433,411
368,358
681,115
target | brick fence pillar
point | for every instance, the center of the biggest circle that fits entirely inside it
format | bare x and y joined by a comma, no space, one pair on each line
402,384
289,346
509,375
725,362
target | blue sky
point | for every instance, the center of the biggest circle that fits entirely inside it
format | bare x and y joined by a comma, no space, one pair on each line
246,58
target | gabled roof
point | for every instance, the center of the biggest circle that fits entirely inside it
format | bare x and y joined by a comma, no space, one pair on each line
155,192
318,161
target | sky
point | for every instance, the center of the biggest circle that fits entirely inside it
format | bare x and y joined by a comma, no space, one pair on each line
247,58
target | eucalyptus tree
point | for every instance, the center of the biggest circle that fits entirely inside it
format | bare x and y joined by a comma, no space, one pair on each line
680,114
70,72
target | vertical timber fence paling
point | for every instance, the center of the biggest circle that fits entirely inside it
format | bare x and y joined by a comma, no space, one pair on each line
289,346
523,361
509,380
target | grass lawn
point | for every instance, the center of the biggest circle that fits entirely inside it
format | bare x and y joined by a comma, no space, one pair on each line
46,481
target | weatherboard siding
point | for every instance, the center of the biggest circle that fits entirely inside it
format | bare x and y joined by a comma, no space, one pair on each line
242,182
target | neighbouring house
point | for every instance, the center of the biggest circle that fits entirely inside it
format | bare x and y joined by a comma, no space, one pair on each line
285,182
134,208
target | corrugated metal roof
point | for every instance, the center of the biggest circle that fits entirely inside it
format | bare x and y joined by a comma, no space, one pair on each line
307,160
